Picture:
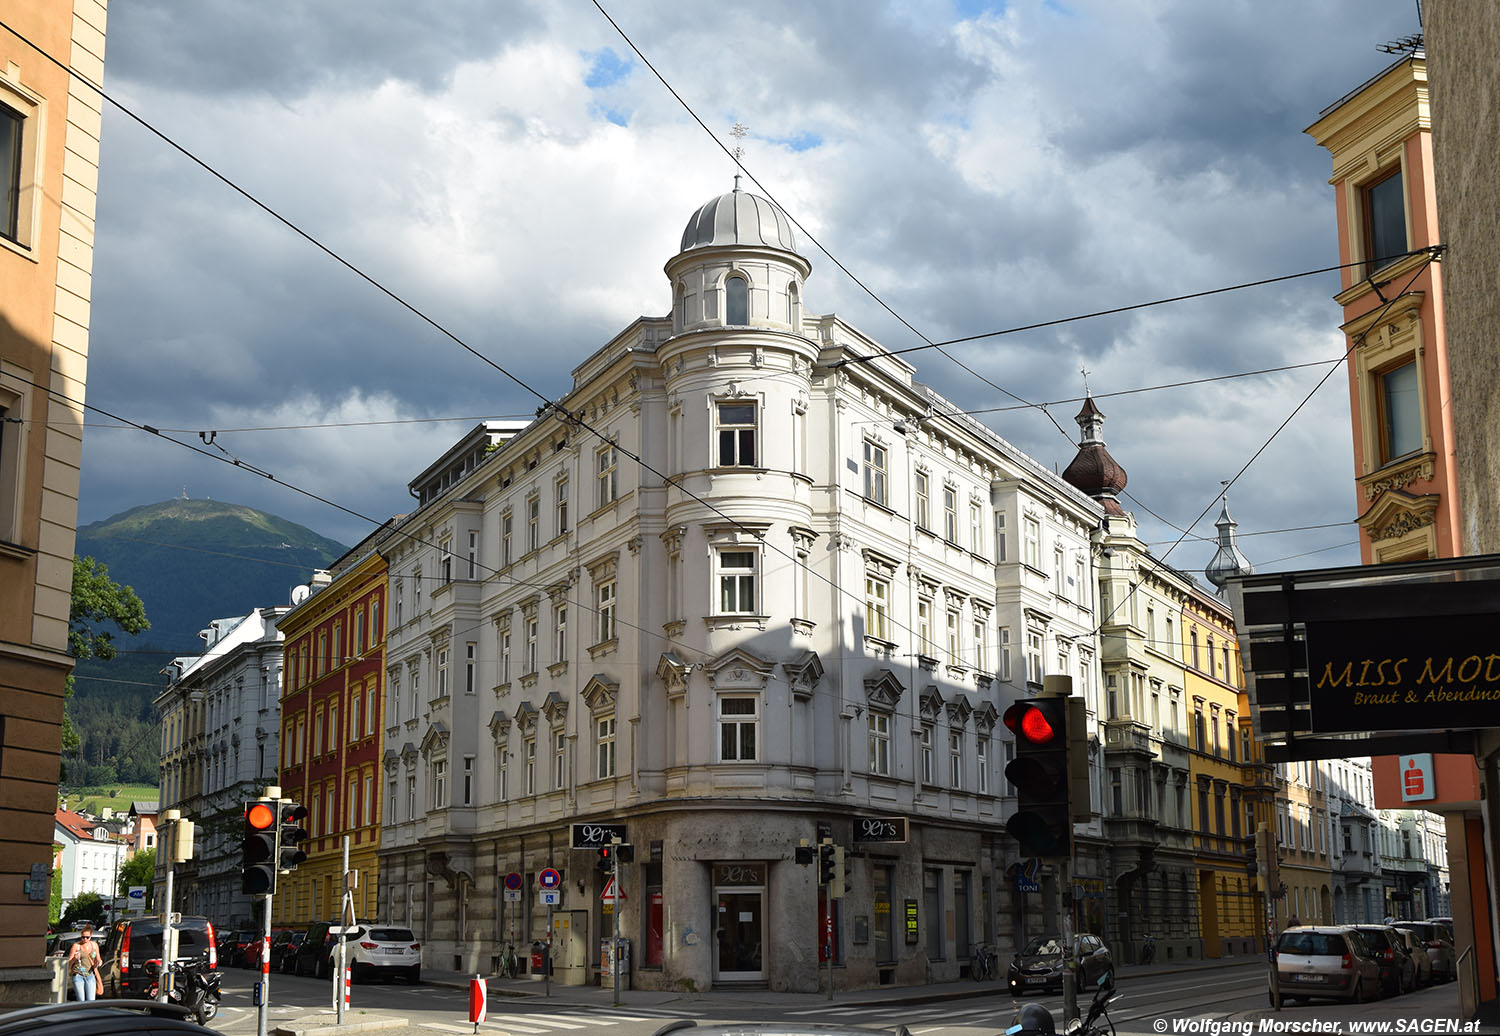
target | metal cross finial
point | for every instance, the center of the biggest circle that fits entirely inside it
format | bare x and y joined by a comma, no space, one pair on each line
1085,372
739,131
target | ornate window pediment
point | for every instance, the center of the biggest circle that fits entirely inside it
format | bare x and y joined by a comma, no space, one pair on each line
804,674
883,690
738,668
529,606
959,711
599,693
1398,512
878,564
409,755
499,725
673,673
526,715
435,740
985,716
930,701
554,708
604,568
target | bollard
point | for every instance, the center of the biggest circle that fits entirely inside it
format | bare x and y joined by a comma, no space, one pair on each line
347,973
478,1001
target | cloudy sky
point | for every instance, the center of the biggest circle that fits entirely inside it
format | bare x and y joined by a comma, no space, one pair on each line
513,170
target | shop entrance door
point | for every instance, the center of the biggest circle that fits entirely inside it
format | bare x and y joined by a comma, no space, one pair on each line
738,958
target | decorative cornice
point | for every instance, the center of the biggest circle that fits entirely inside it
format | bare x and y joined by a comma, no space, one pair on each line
1399,475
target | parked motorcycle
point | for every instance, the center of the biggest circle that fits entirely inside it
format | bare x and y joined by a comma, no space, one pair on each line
1035,1020
195,986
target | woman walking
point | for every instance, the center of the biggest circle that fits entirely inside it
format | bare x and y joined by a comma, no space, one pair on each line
83,965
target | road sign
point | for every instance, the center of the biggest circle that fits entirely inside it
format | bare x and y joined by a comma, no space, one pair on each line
550,897
513,880
611,892
592,836
513,895
549,878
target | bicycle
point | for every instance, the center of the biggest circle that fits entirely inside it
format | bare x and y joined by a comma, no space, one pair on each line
982,963
510,964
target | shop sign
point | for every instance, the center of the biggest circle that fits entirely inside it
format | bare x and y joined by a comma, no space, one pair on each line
879,829
1029,875
593,836
1418,779
911,922
739,874
1404,674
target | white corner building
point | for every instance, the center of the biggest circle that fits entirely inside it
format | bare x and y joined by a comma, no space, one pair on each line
746,586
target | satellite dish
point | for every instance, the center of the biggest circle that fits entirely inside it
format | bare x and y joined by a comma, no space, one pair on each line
300,594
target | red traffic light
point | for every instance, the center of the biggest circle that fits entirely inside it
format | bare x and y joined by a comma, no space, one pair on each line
1028,721
260,816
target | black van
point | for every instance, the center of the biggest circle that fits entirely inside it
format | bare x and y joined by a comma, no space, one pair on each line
133,941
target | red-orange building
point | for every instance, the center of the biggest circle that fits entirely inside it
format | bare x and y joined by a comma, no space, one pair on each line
332,733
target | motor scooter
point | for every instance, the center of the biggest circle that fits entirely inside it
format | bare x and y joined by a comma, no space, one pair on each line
195,986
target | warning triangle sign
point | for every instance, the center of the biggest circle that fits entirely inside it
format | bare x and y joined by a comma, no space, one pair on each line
610,892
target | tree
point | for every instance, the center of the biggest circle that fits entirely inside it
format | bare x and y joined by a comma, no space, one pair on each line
97,601
87,907
140,869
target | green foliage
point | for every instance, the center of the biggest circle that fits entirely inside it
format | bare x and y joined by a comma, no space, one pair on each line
140,869
97,602
89,906
54,900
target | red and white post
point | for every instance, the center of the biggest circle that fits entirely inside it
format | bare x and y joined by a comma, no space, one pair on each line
478,1001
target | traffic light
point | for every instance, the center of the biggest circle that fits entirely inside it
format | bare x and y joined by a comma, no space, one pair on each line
836,886
258,851
1043,822
1268,863
606,862
1080,797
625,853
825,864
804,854
290,835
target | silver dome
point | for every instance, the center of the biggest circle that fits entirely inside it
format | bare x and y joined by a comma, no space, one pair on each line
739,218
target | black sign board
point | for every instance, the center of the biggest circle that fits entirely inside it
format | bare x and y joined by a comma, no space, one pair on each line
879,829
1412,673
592,836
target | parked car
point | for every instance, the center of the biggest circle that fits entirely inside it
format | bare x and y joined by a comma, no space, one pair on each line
1398,972
60,943
131,943
284,949
1323,962
1039,964
232,947
1417,950
312,953
1439,948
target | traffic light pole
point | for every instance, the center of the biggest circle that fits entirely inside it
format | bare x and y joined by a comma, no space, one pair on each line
263,1001
614,957
1065,925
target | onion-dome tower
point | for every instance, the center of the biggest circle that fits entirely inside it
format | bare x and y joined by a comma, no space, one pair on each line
1093,470
1228,561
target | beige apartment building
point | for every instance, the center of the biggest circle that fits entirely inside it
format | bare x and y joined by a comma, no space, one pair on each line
49,151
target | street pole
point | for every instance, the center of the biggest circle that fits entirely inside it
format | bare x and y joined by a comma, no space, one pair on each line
346,903
263,1002
164,984
1065,909
614,957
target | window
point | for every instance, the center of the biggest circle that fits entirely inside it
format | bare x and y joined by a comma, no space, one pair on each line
506,522
1385,221
322,653
416,592
976,528
982,764
375,629
559,760
604,465
880,743
950,514
606,611
359,631
739,721
1004,641
533,522
737,301
877,599
504,673
317,748
473,569
736,573
1002,552
562,506
875,473
981,656
439,783
736,435
531,629
445,562
1033,542
356,715
924,752
530,751
1229,735
955,760
604,747
1034,668
470,660
442,673
954,645
560,632
411,798
11,126
924,502
1398,411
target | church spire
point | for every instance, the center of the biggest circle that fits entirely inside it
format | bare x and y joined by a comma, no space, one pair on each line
1228,561
1093,470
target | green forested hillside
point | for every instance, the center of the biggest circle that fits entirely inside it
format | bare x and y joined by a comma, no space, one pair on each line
190,562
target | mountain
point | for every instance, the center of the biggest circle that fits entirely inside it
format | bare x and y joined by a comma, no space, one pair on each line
190,562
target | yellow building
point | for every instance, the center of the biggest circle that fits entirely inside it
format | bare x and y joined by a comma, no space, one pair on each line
1224,817
1303,827
49,158
333,734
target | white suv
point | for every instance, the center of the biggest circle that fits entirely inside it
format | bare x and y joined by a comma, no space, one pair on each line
374,949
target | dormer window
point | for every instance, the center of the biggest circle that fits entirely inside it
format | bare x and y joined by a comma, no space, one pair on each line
737,301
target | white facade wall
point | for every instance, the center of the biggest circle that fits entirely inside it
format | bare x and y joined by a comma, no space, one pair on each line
700,653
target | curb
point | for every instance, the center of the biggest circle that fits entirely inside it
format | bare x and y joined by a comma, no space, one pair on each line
315,1024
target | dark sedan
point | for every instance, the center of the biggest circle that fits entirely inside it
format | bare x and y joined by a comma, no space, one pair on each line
1039,965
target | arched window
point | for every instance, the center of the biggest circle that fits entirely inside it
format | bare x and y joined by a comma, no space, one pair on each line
793,308
736,301
679,318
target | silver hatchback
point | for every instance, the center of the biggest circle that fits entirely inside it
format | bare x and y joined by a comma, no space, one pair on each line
1439,946
1327,963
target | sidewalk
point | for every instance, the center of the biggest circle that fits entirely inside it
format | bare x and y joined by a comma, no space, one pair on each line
1409,1012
